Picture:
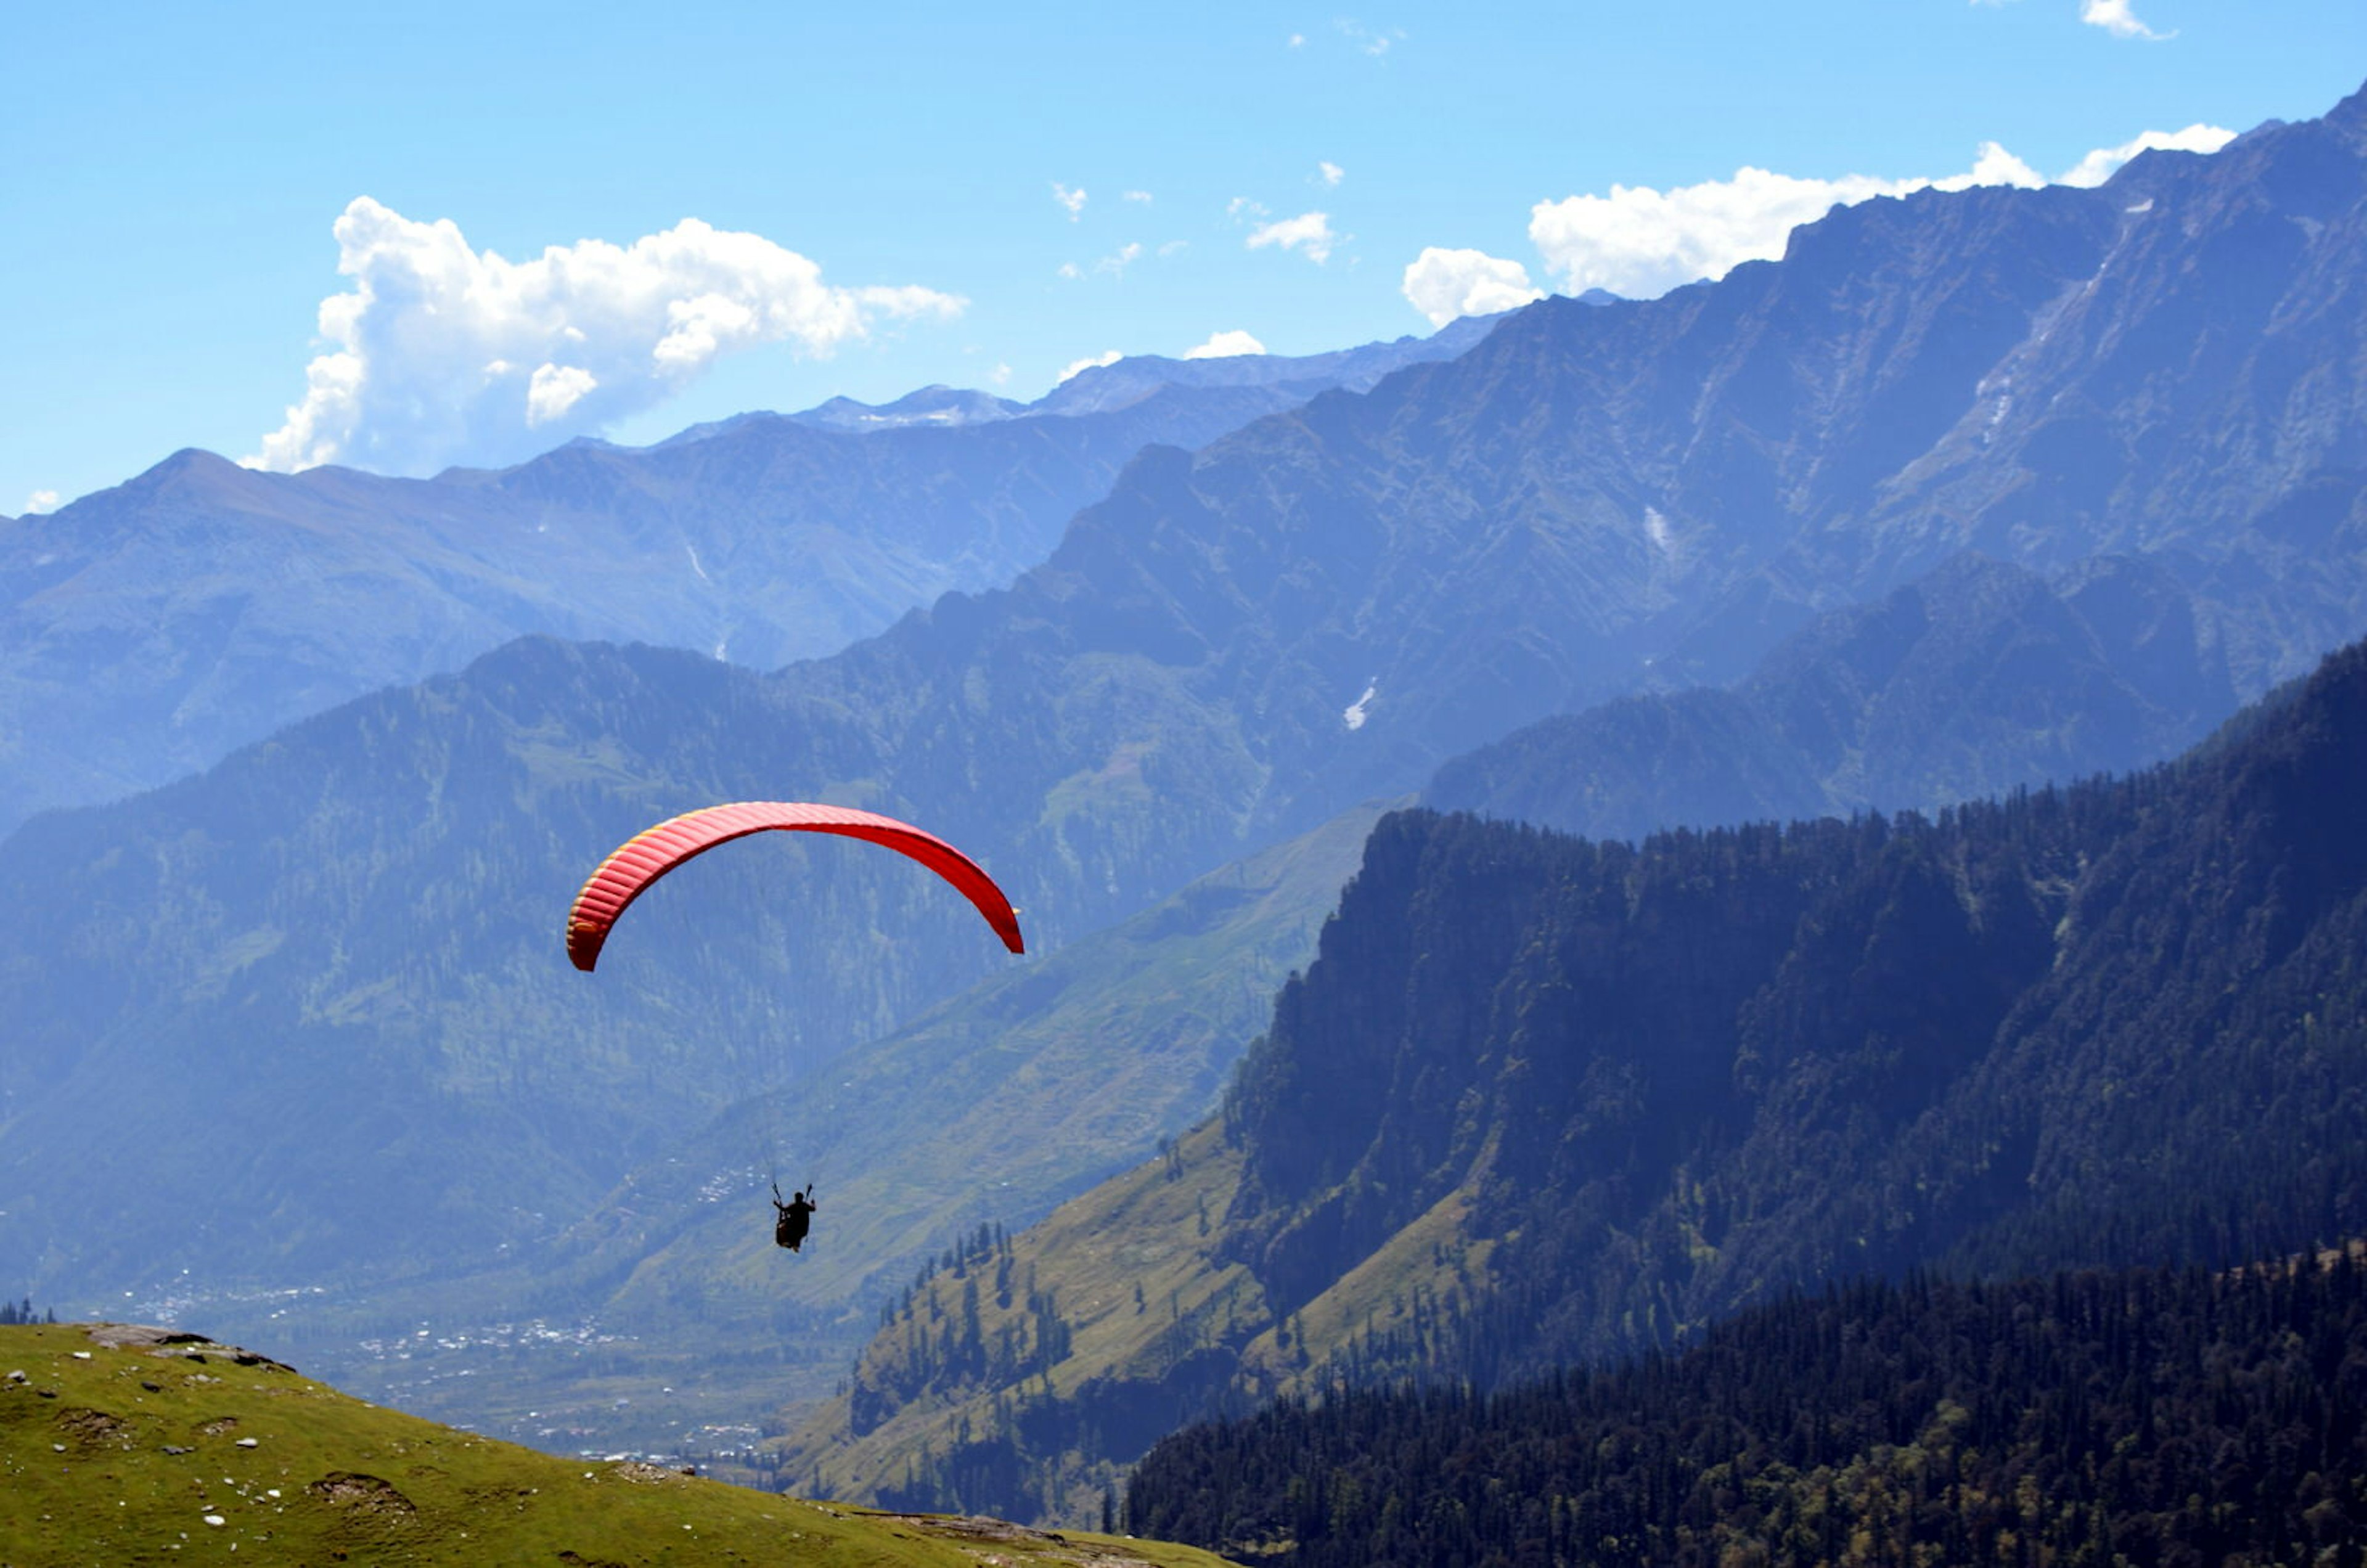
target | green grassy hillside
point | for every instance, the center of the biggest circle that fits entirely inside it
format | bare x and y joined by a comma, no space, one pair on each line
125,1446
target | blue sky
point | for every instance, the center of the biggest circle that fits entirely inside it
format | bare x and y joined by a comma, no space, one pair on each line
764,205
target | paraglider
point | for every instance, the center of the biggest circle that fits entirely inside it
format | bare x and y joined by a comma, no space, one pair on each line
642,858
789,1223
630,870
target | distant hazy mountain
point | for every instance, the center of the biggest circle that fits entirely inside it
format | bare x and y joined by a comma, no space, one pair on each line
1975,680
147,629
1105,388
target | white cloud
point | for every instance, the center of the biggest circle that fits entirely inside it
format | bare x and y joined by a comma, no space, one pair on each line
1224,346
440,354
1298,41
2115,17
1113,265
1074,200
2101,164
1330,173
1376,41
1310,231
1641,242
1000,375
1242,210
554,390
1141,196
1443,284
41,501
1107,356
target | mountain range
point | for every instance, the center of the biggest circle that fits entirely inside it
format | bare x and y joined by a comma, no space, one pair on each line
148,629
2132,400
1005,1101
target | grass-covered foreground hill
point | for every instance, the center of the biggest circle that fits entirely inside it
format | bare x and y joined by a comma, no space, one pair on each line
123,1446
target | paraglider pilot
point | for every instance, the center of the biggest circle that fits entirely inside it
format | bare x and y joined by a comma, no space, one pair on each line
791,1218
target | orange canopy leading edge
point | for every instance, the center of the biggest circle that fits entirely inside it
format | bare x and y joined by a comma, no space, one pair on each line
647,856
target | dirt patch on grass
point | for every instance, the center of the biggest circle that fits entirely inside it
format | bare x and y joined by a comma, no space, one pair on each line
95,1427
364,1494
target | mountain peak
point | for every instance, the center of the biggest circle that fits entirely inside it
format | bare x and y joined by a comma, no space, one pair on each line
2349,118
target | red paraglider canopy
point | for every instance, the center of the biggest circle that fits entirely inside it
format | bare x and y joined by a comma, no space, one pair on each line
648,855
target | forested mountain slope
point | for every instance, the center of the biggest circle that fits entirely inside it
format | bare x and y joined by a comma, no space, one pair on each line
2141,1416
1543,1101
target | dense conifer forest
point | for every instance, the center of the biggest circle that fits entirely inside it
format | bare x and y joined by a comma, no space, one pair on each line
2149,1416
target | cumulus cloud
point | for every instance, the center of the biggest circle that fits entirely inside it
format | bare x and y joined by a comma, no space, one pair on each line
1074,200
1107,356
1309,233
1330,173
41,501
440,354
1641,242
2104,162
1445,284
1224,346
2115,17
